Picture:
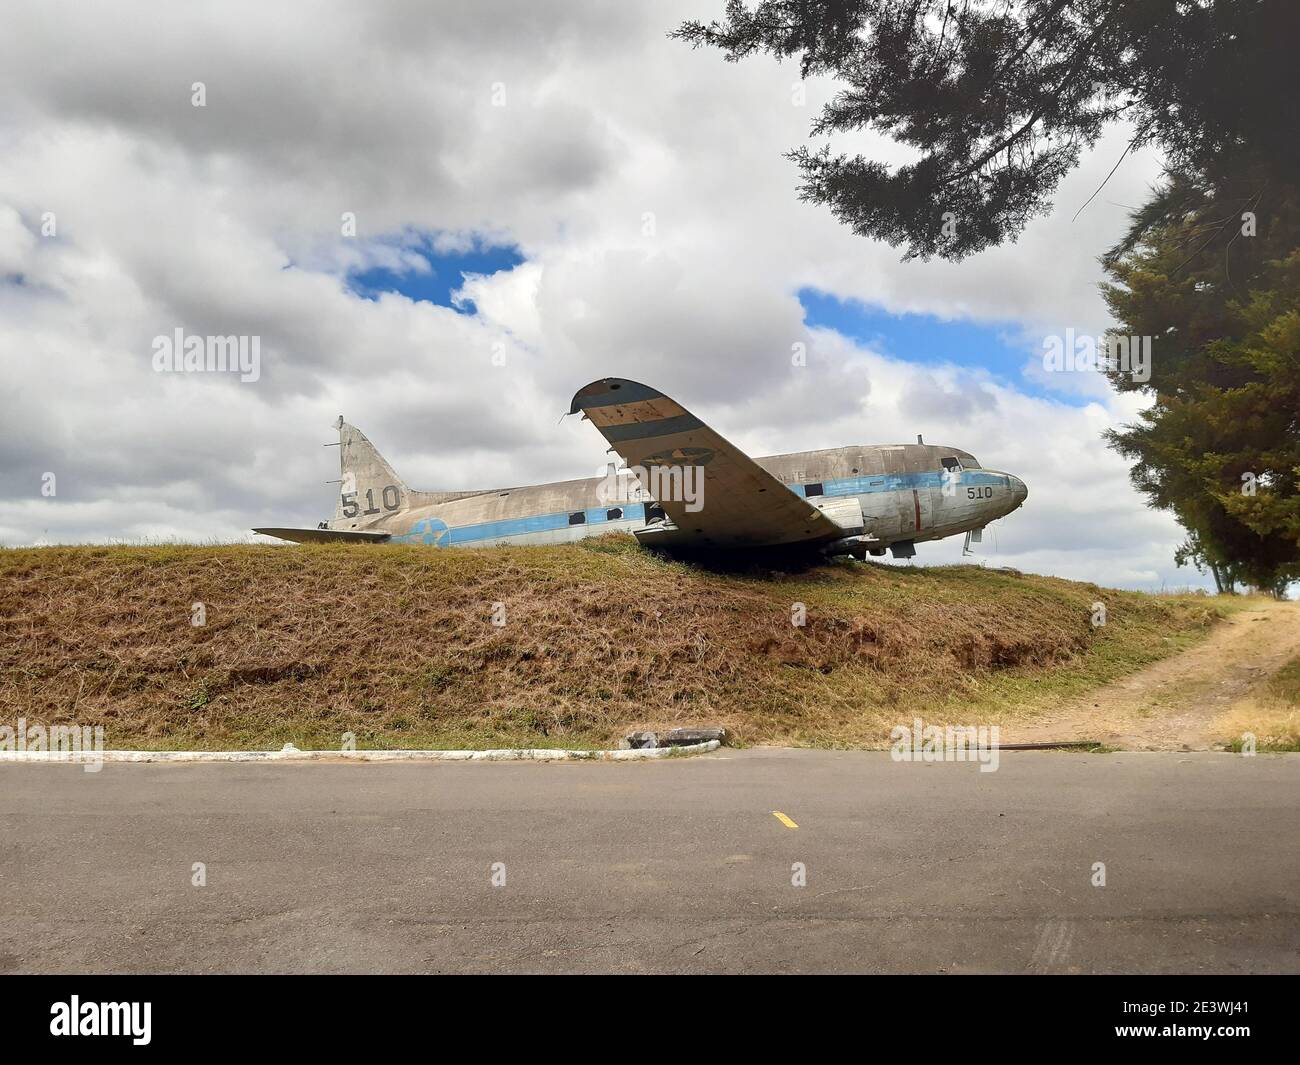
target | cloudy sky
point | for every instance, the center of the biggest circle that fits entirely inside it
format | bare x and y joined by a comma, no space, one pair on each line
542,194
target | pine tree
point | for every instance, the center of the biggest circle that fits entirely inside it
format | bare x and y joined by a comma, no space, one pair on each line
1211,270
999,99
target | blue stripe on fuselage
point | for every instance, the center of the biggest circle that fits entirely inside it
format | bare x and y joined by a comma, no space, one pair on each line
535,523
532,523
896,482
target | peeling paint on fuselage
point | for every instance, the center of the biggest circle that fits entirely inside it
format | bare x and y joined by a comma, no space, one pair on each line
904,491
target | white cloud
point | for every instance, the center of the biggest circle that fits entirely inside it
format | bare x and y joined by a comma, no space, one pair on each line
226,220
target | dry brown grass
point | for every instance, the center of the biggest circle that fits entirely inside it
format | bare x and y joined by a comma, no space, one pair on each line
1270,713
396,645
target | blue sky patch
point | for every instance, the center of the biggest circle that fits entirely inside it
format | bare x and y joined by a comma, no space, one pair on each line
444,274
996,347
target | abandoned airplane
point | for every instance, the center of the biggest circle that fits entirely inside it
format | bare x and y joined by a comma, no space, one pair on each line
683,487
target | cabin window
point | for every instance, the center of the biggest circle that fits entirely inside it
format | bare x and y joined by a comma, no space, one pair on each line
578,517
950,462
814,489
614,514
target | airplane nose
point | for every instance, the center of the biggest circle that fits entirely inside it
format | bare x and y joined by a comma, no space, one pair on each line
1018,489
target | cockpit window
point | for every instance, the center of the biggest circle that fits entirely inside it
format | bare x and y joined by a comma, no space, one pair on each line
950,462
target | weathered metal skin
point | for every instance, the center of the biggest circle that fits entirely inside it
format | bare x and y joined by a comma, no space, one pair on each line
875,496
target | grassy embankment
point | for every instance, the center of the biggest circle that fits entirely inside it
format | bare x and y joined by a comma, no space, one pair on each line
397,645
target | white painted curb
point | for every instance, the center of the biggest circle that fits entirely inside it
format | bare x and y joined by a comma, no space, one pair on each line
292,754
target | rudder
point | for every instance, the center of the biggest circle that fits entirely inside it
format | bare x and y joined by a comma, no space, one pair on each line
369,488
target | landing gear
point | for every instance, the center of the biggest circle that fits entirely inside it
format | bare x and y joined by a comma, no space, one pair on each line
856,546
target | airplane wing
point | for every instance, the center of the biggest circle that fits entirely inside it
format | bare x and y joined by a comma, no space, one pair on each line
324,536
741,504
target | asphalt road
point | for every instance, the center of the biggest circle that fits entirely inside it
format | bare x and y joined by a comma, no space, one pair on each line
662,866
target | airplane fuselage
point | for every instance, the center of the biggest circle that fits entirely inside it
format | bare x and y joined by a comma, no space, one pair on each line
907,493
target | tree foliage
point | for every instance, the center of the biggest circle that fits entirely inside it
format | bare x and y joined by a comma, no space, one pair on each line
1211,270
997,99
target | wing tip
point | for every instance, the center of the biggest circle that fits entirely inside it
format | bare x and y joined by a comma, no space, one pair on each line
610,390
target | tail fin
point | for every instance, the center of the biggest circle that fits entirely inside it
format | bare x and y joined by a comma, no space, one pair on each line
369,488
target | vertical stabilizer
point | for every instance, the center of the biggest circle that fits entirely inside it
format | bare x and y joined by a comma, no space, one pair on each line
369,488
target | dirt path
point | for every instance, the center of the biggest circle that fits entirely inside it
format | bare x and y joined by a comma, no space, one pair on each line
1178,703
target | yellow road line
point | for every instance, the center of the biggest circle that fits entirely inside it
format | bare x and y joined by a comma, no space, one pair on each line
783,819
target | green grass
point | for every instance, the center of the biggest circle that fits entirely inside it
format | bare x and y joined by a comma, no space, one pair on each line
395,644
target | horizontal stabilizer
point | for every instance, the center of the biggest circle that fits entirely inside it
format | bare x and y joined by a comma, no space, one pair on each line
325,536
